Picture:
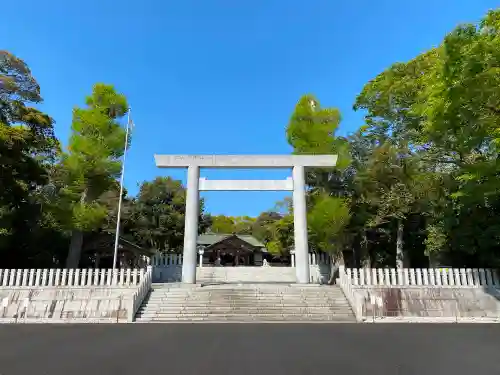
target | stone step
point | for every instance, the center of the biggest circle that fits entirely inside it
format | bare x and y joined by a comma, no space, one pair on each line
240,321
173,314
242,318
205,310
202,310
255,289
249,304
195,293
322,302
245,285
252,295
248,291
223,287
244,311
245,303
247,298
242,297
229,299
259,295
242,315
247,318
244,308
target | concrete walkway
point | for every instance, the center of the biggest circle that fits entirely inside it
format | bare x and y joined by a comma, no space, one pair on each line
241,349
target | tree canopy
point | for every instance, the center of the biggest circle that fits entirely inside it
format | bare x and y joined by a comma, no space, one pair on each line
417,184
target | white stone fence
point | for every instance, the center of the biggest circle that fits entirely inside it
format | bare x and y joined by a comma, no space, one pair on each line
163,260
350,294
70,277
141,293
441,277
362,288
315,259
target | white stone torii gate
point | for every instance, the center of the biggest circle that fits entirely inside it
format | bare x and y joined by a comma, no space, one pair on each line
195,184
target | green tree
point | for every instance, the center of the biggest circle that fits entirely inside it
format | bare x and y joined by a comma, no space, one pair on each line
222,224
261,228
158,213
280,240
442,108
243,224
232,224
327,221
460,106
92,163
27,147
391,185
311,130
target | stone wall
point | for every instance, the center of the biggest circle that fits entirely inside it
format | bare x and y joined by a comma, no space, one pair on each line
429,302
65,304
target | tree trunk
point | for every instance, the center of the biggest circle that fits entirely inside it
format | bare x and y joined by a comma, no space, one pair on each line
366,261
335,261
399,245
433,261
75,249
75,246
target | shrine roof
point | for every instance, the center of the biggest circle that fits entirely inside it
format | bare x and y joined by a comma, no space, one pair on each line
208,239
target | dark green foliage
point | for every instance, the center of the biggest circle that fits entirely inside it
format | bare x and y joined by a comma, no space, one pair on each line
418,183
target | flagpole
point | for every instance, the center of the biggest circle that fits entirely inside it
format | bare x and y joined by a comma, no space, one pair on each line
118,215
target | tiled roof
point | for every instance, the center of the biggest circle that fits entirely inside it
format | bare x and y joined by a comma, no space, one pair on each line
208,239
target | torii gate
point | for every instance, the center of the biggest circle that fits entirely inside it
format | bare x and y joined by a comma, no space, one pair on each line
195,184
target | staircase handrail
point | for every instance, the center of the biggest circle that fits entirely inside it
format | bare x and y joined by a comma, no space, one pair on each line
141,292
352,297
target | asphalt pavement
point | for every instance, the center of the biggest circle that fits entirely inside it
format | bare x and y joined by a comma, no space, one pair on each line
240,349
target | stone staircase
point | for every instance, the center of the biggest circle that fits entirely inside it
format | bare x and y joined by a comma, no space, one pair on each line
214,275
245,303
172,273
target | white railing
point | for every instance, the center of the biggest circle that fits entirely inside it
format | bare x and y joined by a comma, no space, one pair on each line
166,260
353,299
163,260
315,259
141,293
70,277
442,277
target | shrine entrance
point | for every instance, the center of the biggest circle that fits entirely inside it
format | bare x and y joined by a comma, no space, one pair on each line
195,184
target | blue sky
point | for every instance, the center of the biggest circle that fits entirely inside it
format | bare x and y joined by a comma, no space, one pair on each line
220,76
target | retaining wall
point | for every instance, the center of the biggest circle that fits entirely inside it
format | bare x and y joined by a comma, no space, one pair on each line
65,304
427,294
243,274
429,302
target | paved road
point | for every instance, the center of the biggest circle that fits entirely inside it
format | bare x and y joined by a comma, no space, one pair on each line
240,349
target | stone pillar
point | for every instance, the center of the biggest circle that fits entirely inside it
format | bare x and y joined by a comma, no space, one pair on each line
300,226
191,225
